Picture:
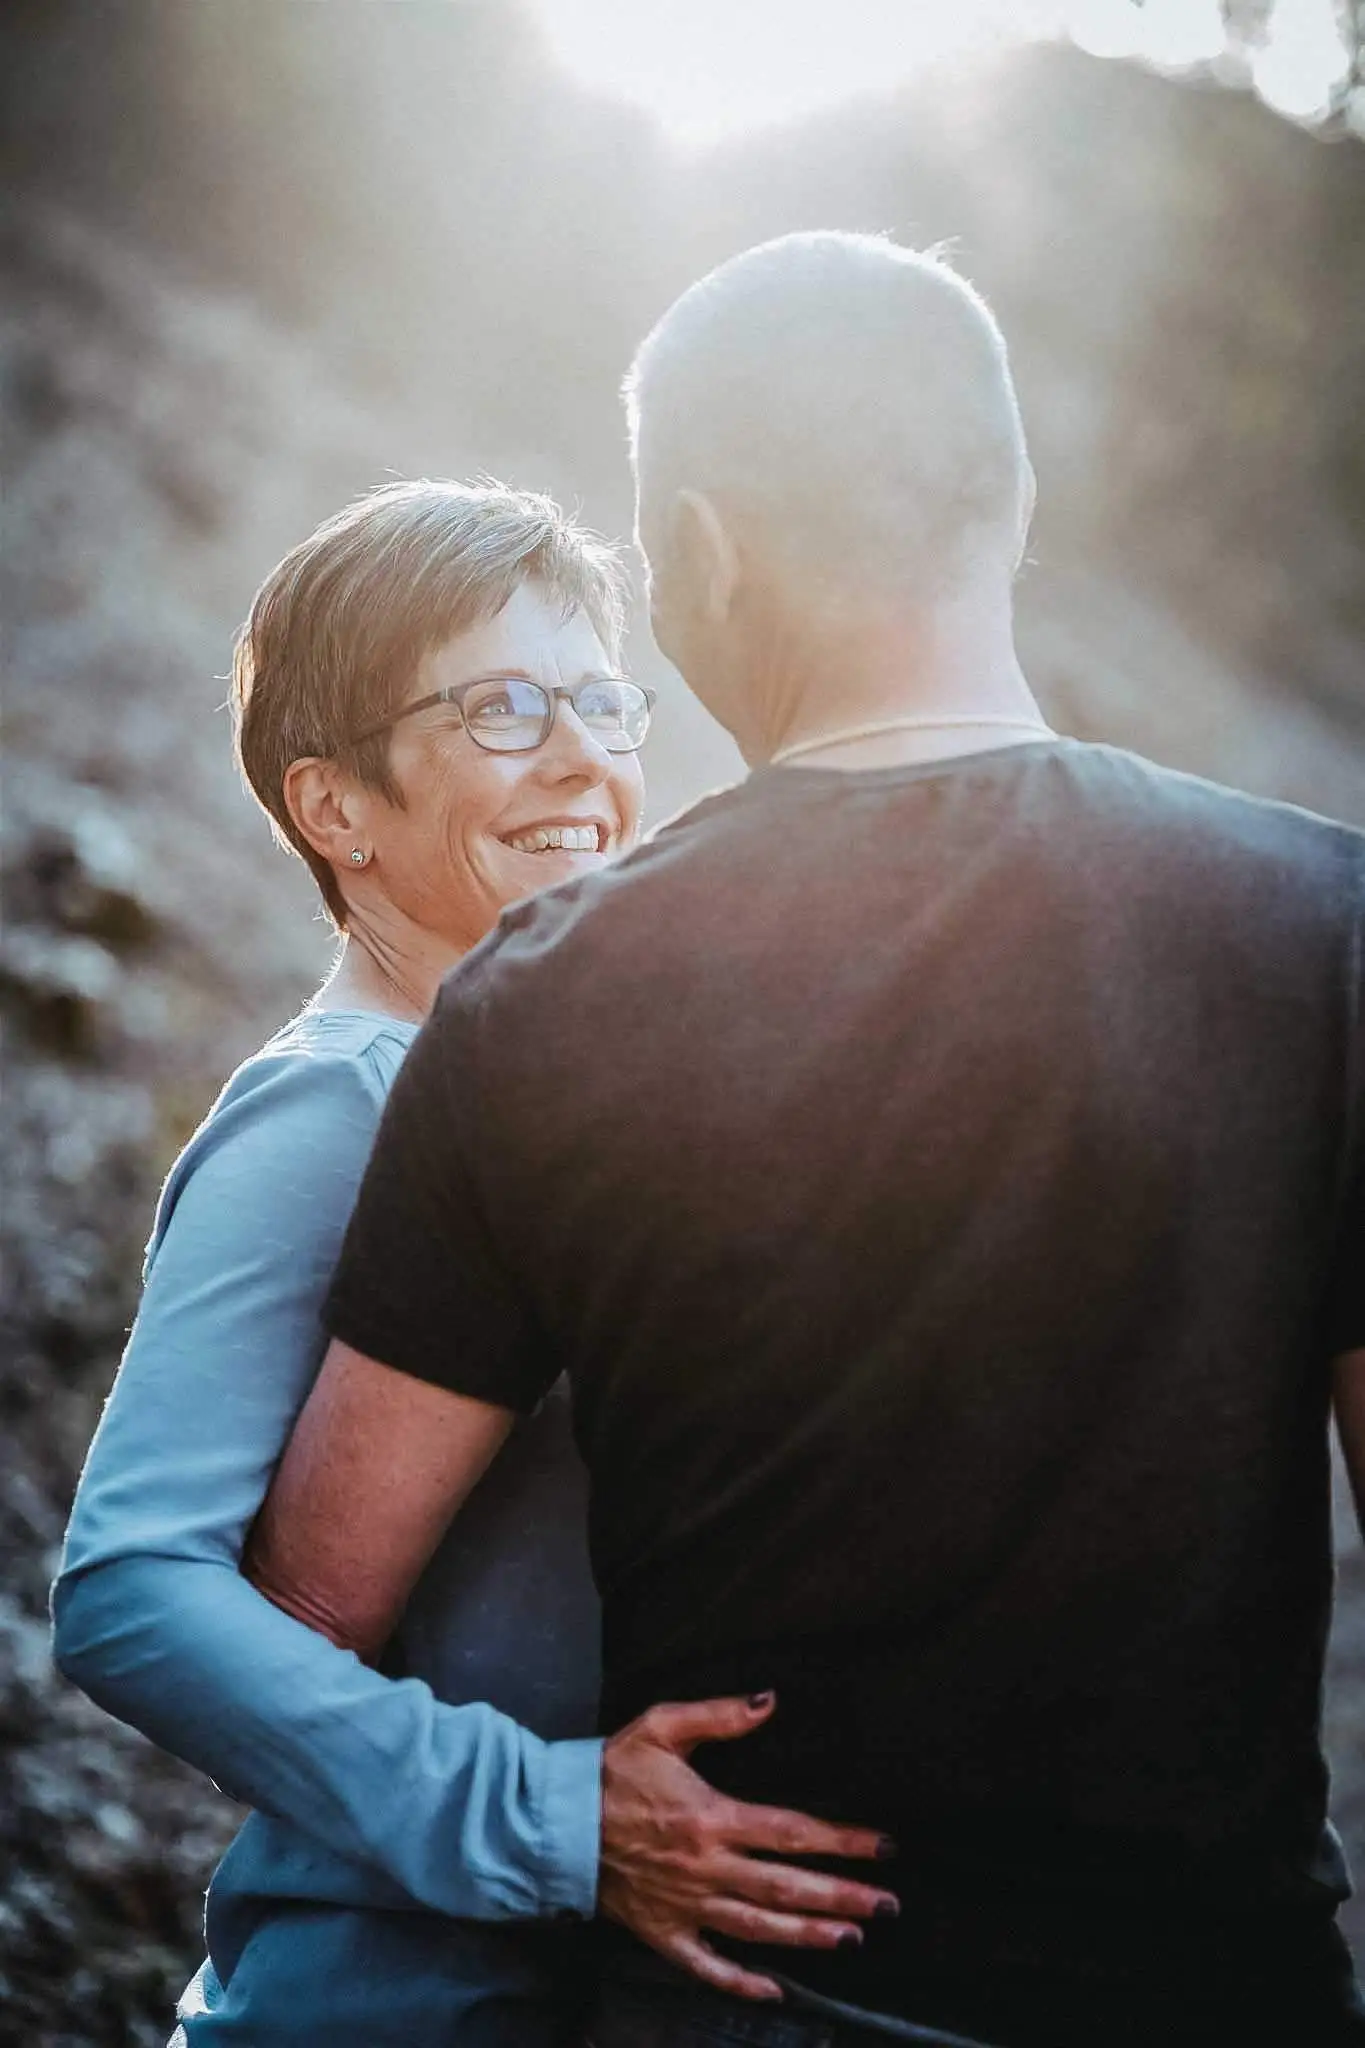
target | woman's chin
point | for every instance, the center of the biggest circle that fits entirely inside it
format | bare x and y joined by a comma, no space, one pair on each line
530,872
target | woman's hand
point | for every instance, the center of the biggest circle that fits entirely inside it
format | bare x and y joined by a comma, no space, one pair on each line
676,1854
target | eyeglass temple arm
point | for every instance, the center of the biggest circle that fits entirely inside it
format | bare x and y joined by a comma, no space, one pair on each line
445,696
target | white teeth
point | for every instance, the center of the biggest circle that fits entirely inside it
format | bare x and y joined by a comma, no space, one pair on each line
556,838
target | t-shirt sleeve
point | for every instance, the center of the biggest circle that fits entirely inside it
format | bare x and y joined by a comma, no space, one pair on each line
422,1285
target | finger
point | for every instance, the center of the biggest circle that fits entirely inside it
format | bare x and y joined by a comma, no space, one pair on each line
694,1956
744,1922
681,1724
789,1890
800,1834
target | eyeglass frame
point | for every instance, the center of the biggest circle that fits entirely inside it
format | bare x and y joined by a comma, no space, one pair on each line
554,694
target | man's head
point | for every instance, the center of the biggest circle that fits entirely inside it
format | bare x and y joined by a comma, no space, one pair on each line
824,422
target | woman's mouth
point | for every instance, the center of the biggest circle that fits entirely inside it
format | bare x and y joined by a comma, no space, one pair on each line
557,839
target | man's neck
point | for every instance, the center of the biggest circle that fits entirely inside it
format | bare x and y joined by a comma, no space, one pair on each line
895,687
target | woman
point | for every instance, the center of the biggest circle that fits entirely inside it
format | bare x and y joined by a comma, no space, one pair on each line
429,708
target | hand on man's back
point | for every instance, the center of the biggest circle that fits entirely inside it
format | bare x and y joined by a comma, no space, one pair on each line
677,1856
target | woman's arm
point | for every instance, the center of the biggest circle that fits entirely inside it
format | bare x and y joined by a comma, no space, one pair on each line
462,1809
378,1464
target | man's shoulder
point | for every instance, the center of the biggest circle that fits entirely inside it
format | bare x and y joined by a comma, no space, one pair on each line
1234,821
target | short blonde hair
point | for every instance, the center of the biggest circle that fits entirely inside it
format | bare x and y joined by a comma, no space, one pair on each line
337,631
847,401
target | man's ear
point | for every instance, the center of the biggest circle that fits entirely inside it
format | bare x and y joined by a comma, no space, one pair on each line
705,554
323,803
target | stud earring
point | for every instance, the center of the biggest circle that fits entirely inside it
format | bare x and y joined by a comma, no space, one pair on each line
358,858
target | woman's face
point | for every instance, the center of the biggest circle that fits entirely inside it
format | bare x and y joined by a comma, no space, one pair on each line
463,845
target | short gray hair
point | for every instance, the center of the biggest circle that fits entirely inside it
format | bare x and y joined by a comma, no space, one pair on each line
849,397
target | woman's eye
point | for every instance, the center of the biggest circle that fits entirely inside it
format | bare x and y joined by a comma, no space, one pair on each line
601,705
495,704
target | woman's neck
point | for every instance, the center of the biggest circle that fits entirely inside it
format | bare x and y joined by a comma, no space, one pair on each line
370,975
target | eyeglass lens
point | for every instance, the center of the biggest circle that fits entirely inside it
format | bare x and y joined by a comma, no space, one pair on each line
511,715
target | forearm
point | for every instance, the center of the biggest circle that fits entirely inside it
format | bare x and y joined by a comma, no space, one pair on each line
467,1811
339,1544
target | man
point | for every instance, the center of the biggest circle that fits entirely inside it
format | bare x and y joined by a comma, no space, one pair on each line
939,1165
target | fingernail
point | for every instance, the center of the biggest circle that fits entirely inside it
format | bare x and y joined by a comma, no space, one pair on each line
886,1909
850,1938
761,1699
887,1847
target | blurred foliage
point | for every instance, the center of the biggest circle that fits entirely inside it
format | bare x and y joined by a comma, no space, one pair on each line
255,257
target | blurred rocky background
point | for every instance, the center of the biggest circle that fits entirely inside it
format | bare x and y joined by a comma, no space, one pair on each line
256,256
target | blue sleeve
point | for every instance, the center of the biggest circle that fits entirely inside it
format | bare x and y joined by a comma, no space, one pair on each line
468,1812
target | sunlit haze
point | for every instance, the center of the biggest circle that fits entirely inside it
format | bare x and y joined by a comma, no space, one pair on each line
707,69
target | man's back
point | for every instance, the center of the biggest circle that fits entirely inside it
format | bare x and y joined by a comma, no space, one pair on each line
935,1182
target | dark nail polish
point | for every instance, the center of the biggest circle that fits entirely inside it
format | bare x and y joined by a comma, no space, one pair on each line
761,1699
850,1938
886,1848
886,1909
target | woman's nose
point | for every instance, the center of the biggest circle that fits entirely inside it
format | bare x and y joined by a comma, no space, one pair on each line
571,749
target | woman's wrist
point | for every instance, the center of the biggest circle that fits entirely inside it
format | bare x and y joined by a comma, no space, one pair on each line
570,1807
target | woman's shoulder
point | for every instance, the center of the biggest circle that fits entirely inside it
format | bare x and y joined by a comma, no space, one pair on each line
323,1042
321,1058
299,1114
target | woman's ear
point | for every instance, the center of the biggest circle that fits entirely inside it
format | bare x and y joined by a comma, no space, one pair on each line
327,811
706,555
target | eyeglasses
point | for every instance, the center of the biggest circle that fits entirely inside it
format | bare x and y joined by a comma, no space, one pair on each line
513,715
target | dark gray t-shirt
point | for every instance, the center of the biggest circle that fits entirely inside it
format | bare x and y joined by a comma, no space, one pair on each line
945,1190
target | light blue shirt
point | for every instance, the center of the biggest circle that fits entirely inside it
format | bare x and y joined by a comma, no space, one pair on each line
461,1781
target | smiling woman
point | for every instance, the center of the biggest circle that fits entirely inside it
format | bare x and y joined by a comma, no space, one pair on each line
379,1807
